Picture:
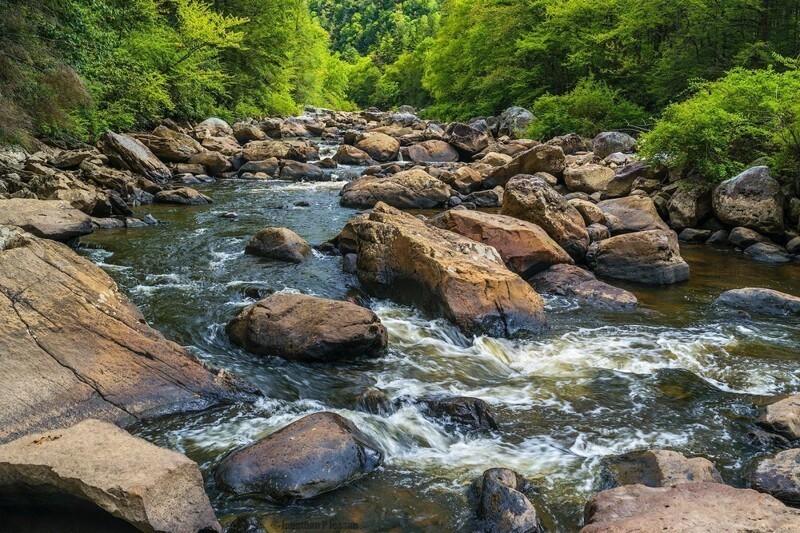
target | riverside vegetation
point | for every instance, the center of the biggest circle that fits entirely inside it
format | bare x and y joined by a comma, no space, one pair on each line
561,295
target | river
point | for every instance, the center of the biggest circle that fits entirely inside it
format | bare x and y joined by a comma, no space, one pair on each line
678,374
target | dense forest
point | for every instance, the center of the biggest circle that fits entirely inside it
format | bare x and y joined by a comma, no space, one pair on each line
712,83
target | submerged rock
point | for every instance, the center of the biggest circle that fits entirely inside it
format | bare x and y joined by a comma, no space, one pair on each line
525,247
281,244
306,328
764,301
316,454
651,257
502,505
768,253
411,189
658,468
783,418
533,200
752,199
48,219
101,360
687,508
151,488
473,413
575,282
402,258
779,476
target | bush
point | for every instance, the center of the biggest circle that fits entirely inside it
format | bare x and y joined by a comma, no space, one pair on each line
590,108
729,124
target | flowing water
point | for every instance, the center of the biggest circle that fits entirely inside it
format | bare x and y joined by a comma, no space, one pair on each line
679,374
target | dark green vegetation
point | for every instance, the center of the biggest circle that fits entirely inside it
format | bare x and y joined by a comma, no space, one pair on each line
70,69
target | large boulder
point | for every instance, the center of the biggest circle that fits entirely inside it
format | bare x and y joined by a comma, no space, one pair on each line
350,155
502,505
631,214
768,253
261,150
130,154
433,151
651,257
75,348
533,200
212,127
610,142
402,258
689,207
49,219
181,196
171,146
305,328
588,178
245,133
763,301
525,247
316,454
783,418
104,467
281,244
779,476
658,468
379,146
214,162
574,282
542,158
467,139
752,199
410,189
687,508
297,171
515,121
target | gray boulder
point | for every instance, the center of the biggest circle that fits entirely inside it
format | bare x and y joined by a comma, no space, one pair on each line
752,199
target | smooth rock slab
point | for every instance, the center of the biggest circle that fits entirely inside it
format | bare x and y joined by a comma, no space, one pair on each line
779,476
651,257
149,487
305,328
411,189
281,244
316,454
687,508
658,468
49,219
764,301
575,282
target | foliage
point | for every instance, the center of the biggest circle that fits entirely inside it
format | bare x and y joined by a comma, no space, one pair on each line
729,124
590,108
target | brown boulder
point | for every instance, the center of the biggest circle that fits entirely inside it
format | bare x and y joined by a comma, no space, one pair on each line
432,151
533,200
95,462
279,243
466,139
590,212
689,206
525,247
502,505
313,455
763,301
658,468
379,146
588,178
687,508
350,155
305,328
401,257
181,196
75,348
130,154
296,171
225,145
49,219
261,150
245,133
783,417
542,158
651,257
212,127
630,214
779,476
411,189
171,146
214,162
574,282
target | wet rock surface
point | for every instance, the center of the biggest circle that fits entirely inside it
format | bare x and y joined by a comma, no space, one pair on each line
411,189
757,300
779,476
658,468
651,257
281,244
575,282
502,505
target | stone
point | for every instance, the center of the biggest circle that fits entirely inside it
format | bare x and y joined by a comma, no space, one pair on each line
574,282
762,301
148,487
490,198
631,214
745,238
687,508
658,468
590,212
281,244
212,127
524,247
410,189
650,257
130,154
379,146
374,401
467,139
402,258
515,121
316,454
245,133
768,253
350,155
296,171
472,413
171,146
719,237
622,182
689,207
181,196
466,180
102,361
793,246
262,150
752,199
214,162
779,476
696,236
48,219
598,232
783,418
533,200
495,159
224,145
542,158
67,159
432,151
502,505
609,142
270,167
305,328
588,178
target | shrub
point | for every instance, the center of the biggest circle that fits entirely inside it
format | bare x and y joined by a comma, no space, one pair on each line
588,109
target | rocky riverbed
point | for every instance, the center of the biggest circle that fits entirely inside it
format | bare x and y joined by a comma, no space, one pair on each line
530,310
